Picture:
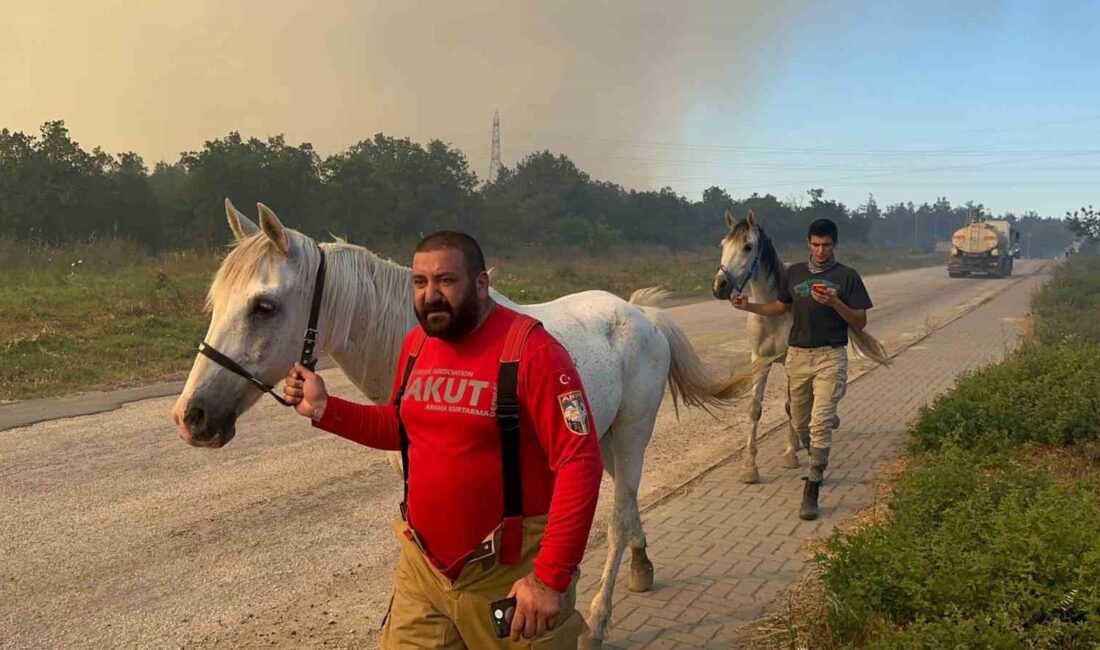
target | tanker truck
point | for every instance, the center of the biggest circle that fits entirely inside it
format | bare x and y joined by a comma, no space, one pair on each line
985,247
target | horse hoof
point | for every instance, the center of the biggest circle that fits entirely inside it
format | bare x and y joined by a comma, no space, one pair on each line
750,475
641,579
836,422
790,461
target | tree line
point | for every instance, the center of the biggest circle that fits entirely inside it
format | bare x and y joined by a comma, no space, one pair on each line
392,190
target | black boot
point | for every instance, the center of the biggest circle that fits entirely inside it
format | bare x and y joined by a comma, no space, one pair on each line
810,490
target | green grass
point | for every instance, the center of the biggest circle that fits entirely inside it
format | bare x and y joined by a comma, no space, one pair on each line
64,331
1066,310
106,314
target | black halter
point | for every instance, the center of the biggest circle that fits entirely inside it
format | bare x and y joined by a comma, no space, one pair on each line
308,345
739,287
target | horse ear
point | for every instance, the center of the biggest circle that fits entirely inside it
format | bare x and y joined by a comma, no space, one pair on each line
751,219
240,225
730,219
273,228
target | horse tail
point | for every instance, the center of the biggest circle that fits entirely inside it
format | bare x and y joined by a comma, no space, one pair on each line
866,346
763,362
649,297
688,379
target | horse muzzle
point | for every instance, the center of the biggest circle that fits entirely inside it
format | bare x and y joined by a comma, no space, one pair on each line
201,427
721,287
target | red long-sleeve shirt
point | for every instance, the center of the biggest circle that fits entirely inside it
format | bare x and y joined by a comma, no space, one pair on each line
455,486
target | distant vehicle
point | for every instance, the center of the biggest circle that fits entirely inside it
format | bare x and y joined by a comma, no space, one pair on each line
983,247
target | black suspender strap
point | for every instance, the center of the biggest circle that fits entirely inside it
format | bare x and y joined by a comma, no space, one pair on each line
511,539
414,352
508,423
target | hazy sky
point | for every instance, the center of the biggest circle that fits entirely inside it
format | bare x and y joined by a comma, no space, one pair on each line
998,102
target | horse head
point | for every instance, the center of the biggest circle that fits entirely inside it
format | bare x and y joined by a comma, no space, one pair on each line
742,248
259,307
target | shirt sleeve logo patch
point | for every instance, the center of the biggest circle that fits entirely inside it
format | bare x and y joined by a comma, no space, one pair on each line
574,412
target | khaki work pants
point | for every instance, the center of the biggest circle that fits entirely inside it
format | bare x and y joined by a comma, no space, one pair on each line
428,611
817,379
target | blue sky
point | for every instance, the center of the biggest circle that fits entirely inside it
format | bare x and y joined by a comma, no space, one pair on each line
996,102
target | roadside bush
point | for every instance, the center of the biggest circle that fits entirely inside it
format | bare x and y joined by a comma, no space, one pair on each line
983,548
1044,394
1065,311
1048,391
992,556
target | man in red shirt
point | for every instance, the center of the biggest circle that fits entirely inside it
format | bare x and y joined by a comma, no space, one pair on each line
469,538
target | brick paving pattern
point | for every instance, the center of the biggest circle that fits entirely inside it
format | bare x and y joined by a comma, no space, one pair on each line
723,550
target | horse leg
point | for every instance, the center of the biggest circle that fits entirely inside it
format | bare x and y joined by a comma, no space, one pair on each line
628,445
641,568
749,472
599,613
608,455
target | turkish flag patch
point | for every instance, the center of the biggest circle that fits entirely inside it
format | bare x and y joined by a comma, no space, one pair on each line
574,412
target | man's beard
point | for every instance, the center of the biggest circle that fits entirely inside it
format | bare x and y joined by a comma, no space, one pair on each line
449,324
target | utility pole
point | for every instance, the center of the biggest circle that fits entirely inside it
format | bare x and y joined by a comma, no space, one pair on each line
494,156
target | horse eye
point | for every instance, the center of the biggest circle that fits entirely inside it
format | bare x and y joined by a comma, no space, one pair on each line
263,307
748,248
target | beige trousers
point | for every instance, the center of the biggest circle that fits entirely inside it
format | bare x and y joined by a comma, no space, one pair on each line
817,379
428,611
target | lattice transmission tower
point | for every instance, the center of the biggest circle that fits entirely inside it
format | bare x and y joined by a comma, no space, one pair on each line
494,156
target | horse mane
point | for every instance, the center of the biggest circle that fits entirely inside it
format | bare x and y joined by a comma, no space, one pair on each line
355,276
364,276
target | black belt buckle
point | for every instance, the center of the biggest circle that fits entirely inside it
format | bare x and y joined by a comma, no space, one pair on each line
416,540
485,553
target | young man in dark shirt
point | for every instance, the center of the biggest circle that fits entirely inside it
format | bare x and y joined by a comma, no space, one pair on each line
825,298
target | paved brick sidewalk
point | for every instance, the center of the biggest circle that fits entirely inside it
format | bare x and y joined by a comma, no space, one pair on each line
723,550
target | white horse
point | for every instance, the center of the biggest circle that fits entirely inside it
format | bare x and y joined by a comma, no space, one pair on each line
625,352
749,260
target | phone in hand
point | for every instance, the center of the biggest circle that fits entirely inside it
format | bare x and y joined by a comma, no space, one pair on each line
501,613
